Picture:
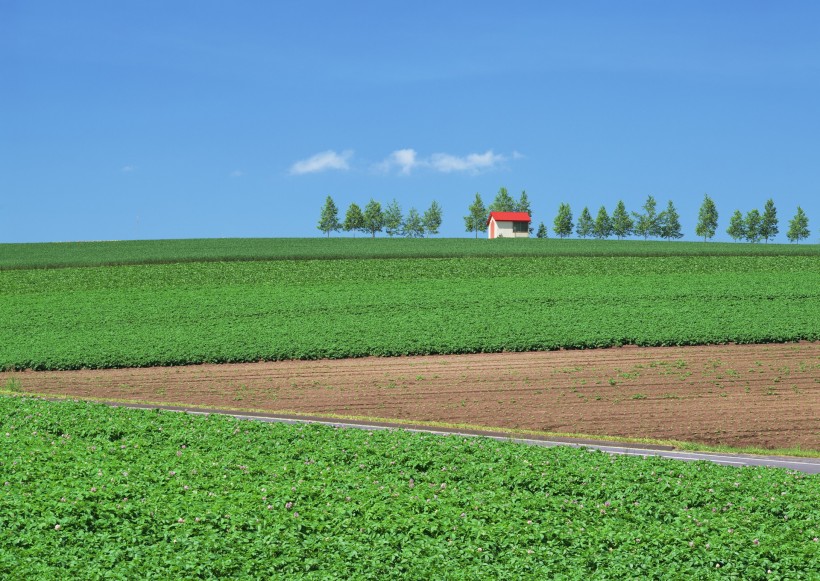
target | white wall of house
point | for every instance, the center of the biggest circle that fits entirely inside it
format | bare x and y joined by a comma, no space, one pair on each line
504,228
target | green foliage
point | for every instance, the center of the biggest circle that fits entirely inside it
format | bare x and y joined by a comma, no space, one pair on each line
503,202
585,224
354,219
392,219
768,221
562,225
752,225
737,226
329,219
432,218
798,226
476,220
523,204
622,224
413,226
542,231
246,311
669,223
707,218
83,254
88,491
603,225
13,385
648,223
373,217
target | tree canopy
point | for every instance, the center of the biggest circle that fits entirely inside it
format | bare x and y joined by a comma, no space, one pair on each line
707,218
603,225
737,226
585,224
354,219
329,218
646,224
373,217
432,218
562,225
622,224
669,222
768,221
476,220
392,218
503,202
798,227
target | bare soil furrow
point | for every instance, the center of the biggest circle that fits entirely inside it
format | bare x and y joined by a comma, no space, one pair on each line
741,395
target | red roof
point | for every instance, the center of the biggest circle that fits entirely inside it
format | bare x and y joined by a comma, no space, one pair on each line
509,217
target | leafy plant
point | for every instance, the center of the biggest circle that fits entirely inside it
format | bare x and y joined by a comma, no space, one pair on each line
88,491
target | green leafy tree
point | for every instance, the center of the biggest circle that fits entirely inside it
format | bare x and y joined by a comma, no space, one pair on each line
622,224
413,226
646,224
432,218
768,222
476,220
562,225
542,231
707,219
329,219
503,202
798,227
753,222
354,219
669,223
523,205
585,224
373,217
737,226
603,225
392,218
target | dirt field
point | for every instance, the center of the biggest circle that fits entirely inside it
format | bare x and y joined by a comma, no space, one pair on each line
739,395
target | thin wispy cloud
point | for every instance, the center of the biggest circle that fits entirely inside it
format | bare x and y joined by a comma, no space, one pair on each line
406,160
128,168
323,161
403,159
472,163
237,173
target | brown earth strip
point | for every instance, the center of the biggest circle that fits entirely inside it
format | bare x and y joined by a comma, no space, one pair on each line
766,396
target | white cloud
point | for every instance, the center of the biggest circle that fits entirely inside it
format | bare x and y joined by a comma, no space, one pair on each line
127,168
322,161
237,173
404,159
473,162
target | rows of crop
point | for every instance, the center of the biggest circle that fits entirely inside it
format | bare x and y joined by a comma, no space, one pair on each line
68,254
165,495
225,312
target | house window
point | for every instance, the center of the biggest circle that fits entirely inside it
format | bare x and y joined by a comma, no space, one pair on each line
519,227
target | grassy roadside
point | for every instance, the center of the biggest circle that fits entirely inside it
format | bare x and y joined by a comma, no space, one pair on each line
512,433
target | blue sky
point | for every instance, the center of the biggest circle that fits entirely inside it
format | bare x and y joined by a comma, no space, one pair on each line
147,119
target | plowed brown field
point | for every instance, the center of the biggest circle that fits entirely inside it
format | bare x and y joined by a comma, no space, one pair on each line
739,395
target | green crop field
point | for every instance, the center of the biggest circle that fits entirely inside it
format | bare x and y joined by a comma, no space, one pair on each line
64,254
169,314
87,491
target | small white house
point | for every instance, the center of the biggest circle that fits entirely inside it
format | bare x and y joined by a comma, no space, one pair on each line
508,225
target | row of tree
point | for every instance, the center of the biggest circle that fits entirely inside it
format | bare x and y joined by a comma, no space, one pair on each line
665,224
649,223
373,219
756,225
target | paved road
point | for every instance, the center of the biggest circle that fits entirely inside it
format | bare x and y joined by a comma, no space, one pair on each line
807,465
